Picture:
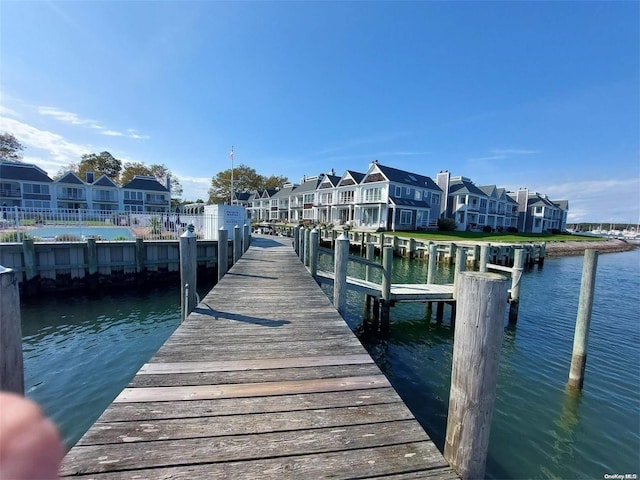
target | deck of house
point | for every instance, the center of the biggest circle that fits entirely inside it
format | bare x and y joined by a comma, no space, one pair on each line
263,380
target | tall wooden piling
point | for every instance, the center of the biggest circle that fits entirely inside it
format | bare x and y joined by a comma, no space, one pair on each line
307,246
581,335
223,252
188,271
476,352
11,363
433,258
92,260
341,259
301,243
368,276
314,244
296,240
237,244
141,256
516,278
31,284
460,266
246,238
385,308
484,257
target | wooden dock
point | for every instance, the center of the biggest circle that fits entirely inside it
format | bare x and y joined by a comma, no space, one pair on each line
263,380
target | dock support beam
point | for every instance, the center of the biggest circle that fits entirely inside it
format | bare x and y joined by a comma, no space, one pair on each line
237,244
307,250
141,256
296,241
370,255
516,278
585,304
385,308
223,252
11,363
31,280
246,239
340,272
188,271
92,258
314,244
484,257
433,258
476,352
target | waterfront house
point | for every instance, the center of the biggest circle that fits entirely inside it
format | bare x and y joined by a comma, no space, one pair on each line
145,194
537,213
25,185
302,199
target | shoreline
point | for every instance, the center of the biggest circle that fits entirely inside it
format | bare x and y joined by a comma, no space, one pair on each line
557,249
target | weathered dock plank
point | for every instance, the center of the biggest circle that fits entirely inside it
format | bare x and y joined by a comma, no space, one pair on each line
263,380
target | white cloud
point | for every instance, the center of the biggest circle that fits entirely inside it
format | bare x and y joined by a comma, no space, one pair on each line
61,151
194,188
132,133
112,133
7,111
67,117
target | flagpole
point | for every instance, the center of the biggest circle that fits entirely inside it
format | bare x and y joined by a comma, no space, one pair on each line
231,195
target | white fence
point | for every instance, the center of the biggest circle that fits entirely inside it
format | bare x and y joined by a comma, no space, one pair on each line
17,223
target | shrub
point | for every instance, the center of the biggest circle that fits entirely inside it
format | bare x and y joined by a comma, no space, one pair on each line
446,224
512,230
10,237
120,238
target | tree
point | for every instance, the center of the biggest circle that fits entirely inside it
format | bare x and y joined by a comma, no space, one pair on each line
101,164
10,147
244,179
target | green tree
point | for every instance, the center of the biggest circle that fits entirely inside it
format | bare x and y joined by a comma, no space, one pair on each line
101,164
10,147
244,179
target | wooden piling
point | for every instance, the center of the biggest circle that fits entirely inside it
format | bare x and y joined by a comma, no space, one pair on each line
223,252
307,249
452,253
484,257
461,264
433,258
301,244
141,256
246,238
341,258
516,277
412,248
581,335
314,244
296,240
368,275
31,283
543,252
237,244
11,362
385,308
188,271
476,352
92,260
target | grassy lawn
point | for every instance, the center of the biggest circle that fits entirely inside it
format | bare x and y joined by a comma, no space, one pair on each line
494,237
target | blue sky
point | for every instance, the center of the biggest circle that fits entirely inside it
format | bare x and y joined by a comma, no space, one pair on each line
543,95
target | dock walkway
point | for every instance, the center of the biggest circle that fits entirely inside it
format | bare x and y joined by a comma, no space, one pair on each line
263,380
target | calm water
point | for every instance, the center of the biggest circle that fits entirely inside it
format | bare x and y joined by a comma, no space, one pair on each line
80,353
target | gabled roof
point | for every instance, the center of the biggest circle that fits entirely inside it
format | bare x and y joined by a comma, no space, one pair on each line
408,202
284,192
22,171
242,196
333,179
105,181
489,190
268,193
406,178
562,204
141,182
459,187
536,200
70,177
308,185
353,175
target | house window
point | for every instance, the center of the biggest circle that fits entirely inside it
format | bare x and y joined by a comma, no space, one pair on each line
435,198
406,217
308,197
346,196
129,195
483,203
45,204
422,218
538,210
373,194
407,191
307,214
482,219
370,216
417,195
35,188
398,191
462,200
274,202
